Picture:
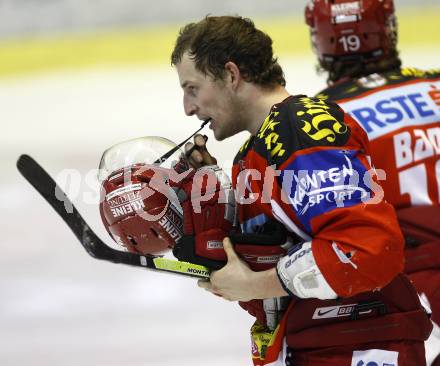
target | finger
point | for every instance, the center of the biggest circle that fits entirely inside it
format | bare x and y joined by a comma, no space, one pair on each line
188,146
200,141
194,164
190,149
208,159
192,152
205,284
194,157
197,156
229,249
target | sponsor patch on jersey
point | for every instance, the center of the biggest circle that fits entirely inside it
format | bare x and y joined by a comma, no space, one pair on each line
323,181
391,109
375,357
414,145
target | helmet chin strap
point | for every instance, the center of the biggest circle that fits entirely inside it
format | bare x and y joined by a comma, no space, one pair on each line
174,149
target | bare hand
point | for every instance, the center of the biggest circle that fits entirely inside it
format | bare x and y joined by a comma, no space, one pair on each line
237,282
233,281
200,155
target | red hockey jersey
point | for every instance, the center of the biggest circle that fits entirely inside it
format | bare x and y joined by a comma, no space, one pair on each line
400,111
308,167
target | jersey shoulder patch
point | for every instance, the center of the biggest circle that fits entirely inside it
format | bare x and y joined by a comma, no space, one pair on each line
298,123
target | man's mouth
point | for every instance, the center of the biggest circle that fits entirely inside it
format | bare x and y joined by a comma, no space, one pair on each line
205,121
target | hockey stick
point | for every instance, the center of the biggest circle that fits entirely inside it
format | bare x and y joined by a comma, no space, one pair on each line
59,201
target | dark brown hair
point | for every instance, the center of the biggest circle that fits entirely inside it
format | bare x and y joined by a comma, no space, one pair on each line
358,67
214,41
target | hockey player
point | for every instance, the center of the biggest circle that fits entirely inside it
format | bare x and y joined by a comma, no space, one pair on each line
336,296
399,108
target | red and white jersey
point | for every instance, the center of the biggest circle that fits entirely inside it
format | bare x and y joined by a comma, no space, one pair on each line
308,167
400,111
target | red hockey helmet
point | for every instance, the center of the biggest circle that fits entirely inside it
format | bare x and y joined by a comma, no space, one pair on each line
351,30
141,194
151,204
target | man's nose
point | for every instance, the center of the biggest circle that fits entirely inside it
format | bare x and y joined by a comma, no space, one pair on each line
190,108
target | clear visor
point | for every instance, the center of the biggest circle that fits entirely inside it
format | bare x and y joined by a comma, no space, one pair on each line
150,150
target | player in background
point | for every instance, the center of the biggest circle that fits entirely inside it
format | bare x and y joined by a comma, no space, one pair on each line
399,108
332,293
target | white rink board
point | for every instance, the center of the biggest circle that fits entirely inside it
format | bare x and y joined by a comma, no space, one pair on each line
58,305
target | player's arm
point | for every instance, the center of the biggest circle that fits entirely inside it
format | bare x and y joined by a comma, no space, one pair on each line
355,248
354,243
333,195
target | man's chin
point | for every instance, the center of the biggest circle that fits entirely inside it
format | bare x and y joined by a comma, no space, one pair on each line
219,136
222,135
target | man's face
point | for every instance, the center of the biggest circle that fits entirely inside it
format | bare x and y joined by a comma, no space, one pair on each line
208,98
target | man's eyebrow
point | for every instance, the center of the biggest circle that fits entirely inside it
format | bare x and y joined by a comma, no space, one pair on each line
184,84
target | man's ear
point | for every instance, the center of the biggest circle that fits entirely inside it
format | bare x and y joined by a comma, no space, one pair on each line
233,74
